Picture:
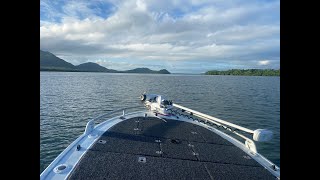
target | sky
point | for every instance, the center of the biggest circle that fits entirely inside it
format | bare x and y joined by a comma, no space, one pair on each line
182,36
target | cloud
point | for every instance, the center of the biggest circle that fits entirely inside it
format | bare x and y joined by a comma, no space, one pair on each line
264,62
214,32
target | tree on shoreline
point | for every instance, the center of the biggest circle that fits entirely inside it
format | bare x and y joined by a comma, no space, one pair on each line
246,72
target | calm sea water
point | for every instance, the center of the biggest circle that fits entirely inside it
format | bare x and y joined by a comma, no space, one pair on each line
69,99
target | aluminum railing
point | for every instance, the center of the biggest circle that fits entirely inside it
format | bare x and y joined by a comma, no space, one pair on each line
257,135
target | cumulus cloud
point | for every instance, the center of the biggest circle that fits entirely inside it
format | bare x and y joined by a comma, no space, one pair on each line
224,34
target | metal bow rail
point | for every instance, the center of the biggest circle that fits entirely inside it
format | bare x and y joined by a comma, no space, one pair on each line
91,124
258,134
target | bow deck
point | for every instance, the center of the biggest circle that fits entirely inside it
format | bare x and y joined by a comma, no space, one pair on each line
153,148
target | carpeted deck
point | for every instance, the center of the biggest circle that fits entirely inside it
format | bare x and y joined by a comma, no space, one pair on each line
150,148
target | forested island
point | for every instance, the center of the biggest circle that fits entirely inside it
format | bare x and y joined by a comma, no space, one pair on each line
50,62
246,72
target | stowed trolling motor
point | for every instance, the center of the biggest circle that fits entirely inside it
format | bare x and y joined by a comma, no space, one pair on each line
157,103
163,107
160,105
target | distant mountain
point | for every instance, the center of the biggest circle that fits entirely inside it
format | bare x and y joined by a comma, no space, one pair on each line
147,70
93,67
50,62
164,71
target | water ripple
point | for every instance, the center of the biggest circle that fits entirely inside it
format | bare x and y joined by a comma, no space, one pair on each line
69,100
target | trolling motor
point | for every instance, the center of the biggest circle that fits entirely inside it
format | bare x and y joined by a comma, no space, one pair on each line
160,105
157,103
